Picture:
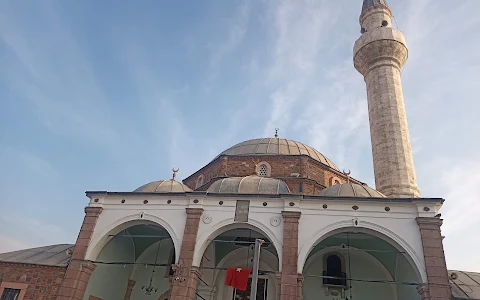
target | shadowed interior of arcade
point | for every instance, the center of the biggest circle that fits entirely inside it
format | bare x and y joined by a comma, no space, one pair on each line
358,265
134,264
235,249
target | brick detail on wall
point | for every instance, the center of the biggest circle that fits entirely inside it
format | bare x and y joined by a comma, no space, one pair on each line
78,272
314,175
185,279
130,286
289,289
438,286
43,281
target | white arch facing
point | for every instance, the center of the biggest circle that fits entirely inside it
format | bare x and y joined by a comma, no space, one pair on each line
369,228
101,239
228,224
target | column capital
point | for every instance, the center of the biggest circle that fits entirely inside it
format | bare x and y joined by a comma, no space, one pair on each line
291,215
429,221
194,211
424,291
93,211
87,267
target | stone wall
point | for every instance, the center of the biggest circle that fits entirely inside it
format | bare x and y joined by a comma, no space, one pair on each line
43,281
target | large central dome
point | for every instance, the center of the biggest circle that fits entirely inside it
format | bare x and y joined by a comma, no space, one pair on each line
276,146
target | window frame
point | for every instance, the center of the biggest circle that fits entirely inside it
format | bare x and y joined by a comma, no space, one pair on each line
14,285
342,269
268,167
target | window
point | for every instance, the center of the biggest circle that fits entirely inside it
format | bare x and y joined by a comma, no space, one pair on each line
10,294
334,180
199,182
264,169
12,290
333,267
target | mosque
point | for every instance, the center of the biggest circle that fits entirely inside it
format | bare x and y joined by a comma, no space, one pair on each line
326,235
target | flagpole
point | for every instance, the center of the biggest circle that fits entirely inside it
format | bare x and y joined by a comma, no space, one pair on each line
256,260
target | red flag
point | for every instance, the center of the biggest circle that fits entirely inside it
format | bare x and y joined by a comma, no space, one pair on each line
237,278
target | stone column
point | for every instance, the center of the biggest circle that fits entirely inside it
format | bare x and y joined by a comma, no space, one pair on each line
185,279
438,286
130,286
289,278
78,272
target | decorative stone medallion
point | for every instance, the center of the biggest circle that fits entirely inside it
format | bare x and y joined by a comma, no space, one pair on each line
207,219
275,221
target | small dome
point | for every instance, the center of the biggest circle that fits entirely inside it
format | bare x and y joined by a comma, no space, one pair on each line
276,146
163,186
249,185
351,190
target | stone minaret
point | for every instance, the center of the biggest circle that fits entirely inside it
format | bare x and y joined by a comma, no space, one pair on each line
379,55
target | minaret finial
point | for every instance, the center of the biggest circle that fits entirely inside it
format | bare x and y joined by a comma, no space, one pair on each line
174,173
347,175
276,132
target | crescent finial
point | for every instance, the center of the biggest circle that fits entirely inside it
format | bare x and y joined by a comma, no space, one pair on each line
174,173
347,175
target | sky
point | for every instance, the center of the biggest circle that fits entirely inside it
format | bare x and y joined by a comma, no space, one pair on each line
110,95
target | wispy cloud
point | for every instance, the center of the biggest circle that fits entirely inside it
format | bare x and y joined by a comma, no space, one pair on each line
237,29
461,213
56,76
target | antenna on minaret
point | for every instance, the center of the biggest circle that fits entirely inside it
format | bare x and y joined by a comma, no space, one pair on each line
174,173
276,132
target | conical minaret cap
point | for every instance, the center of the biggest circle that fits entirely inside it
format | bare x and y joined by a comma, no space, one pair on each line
369,3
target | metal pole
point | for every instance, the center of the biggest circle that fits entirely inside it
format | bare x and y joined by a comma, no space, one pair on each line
256,260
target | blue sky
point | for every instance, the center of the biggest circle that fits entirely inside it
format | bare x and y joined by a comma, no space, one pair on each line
109,95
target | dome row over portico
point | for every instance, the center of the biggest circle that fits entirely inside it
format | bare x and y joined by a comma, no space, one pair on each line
249,185
163,186
351,190
275,147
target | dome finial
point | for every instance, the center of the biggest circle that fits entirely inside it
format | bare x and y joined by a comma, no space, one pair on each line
255,165
276,132
174,173
347,175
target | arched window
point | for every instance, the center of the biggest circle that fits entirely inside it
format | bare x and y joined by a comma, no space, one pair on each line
199,182
333,267
264,169
334,180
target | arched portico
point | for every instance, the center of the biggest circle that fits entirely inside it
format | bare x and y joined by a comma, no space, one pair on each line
229,224
135,262
100,239
231,246
369,228
367,265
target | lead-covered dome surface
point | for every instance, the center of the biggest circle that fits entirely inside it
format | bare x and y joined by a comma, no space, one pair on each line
163,186
249,185
351,190
276,146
